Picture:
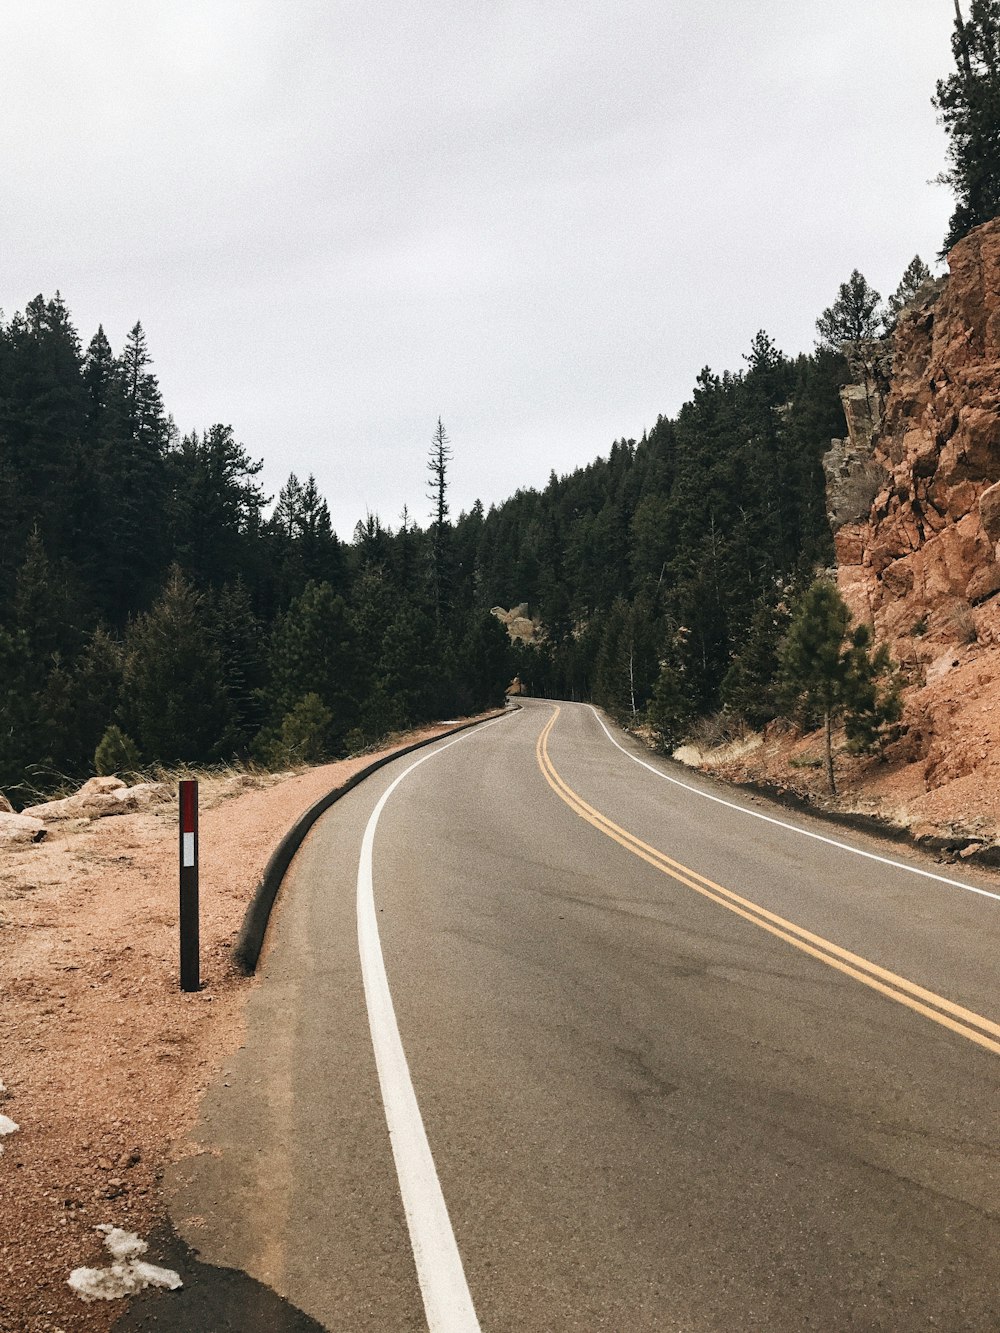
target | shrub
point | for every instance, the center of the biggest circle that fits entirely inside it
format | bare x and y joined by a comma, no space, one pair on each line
116,753
963,623
303,738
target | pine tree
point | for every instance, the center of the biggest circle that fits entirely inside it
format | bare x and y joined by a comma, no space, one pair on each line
372,542
130,533
101,383
145,419
80,702
314,651
214,504
828,672
287,511
437,465
42,415
915,275
627,665
408,677
486,664
306,546
855,316
673,706
174,695
20,740
29,651
320,553
968,101
748,687
115,753
404,557
304,737
36,609
876,696
240,638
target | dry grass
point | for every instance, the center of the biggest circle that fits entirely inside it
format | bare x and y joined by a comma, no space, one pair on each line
963,623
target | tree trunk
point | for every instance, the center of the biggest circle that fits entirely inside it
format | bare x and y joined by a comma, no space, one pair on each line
963,42
828,730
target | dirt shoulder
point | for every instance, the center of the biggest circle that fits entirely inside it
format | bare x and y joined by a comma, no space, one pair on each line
103,1058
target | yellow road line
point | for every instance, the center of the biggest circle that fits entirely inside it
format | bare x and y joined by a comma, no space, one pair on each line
943,1011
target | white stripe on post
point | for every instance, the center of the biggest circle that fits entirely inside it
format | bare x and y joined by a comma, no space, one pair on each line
187,858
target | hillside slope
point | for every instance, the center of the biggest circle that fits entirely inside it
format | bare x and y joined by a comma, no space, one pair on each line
914,497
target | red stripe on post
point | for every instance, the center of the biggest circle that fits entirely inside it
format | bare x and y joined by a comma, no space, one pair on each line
190,979
188,806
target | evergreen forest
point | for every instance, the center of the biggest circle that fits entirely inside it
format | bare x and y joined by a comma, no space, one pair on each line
157,608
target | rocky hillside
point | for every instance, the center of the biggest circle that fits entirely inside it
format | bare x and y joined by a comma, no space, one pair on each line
922,564
914,500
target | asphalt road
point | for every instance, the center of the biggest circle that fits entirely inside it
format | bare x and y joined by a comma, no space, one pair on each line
651,1061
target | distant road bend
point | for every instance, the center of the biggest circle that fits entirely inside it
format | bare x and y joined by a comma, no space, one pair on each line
650,1056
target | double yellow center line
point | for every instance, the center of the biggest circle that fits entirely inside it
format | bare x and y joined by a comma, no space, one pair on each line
963,1021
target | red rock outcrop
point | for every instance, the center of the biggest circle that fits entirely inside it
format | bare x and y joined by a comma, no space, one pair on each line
925,565
913,496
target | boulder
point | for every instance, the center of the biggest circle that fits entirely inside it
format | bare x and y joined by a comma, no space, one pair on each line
100,786
97,804
16,829
144,794
50,811
101,797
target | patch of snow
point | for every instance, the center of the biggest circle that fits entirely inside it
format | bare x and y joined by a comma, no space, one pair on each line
7,1126
122,1244
127,1275
122,1279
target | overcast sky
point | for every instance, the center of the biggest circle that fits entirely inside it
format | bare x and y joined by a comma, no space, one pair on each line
339,220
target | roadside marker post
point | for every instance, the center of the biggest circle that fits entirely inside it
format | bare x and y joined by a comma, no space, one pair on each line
190,972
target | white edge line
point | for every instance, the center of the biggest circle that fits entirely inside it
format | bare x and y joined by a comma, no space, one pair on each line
793,828
447,1300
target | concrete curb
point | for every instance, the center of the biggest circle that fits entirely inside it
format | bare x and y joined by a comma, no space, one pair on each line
246,951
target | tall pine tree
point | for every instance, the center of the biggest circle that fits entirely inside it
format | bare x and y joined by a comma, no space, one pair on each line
968,101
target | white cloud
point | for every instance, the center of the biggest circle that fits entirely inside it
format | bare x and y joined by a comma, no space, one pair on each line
338,222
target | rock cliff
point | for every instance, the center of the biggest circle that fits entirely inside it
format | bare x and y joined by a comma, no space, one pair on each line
914,499
913,496
923,563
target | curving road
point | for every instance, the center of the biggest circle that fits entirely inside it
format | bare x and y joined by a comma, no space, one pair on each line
654,1056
